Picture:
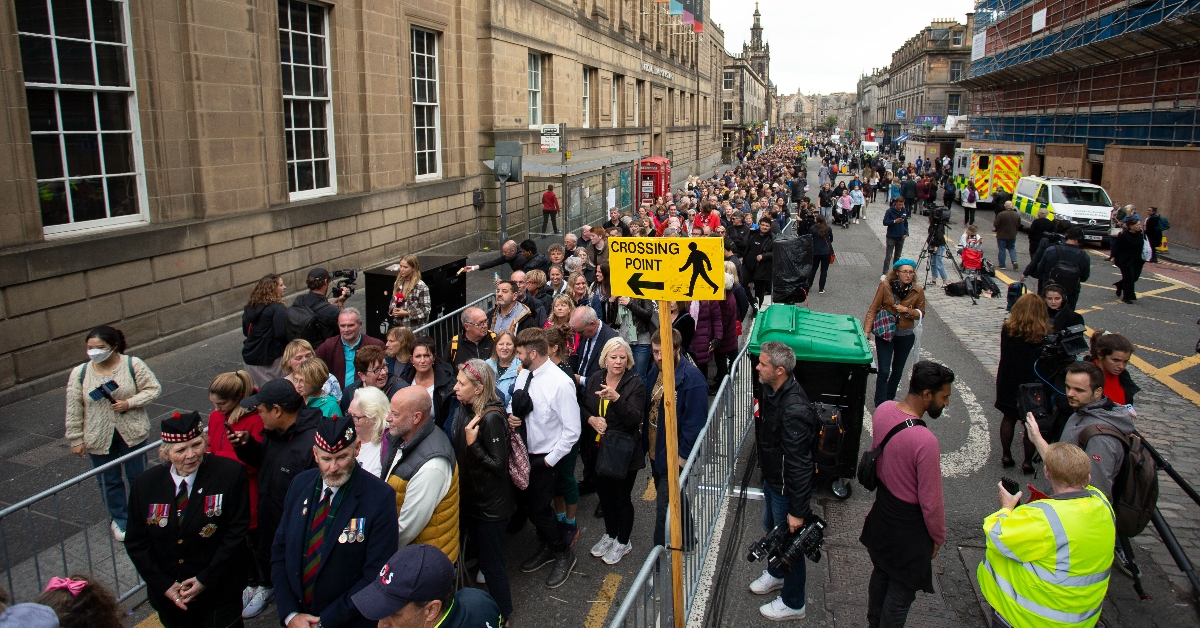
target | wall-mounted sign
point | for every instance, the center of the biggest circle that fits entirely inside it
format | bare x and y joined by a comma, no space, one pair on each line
550,138
1039,21
658,71
901,114
929,119
978,45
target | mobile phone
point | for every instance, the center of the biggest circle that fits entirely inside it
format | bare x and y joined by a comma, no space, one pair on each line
1010,485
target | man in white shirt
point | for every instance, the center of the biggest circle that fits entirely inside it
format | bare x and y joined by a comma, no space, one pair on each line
551,429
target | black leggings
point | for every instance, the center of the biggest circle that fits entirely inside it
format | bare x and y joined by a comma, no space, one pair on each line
552,217
488,537
617,501
762,290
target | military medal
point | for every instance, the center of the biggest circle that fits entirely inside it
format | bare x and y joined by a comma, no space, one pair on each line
208,505
208,530
304,510
342,537
362,524
220,499
353,536
158,515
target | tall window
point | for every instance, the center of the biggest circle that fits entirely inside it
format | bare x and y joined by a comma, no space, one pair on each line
587,98
426,112
952,101
727,112
956,38
727,80
955,70
307,106
616,109
637,103
535,89
82,113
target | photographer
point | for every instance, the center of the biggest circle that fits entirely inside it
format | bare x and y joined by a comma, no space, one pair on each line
784,434
317,301
936,243
1066,265
1022,575
1085,395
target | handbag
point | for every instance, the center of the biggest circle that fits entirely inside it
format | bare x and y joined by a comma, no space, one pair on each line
885,322
616,452
518,460
866,466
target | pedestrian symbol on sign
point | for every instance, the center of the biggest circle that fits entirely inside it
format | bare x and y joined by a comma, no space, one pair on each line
700,267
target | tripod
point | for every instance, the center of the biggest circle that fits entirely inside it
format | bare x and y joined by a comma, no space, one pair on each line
931,247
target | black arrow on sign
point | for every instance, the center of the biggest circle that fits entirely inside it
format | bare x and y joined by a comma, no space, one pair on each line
636,284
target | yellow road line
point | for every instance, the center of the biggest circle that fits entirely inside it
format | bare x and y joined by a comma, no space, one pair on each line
1181,365
1174,355
1158,291
603,601
150,622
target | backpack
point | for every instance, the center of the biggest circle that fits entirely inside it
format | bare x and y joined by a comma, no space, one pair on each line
1064,273
1163,223
959,289
1016,290
1135,489
827,442
302,323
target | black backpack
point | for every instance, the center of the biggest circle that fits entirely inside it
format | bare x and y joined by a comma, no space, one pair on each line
302,323
1065,272
827,441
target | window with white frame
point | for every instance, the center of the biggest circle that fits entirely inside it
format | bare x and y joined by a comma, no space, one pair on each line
307,105
727,112
955,70
426,111
727,80
587,97
82,113
535,89
956,38
616,109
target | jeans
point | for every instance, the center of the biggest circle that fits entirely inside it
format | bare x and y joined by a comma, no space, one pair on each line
888,601
821,261
935,263
552,217
642,357
489,537
111,485
1006,245
616,497
775,511
538,497
892,355
891,255
661,503
826,212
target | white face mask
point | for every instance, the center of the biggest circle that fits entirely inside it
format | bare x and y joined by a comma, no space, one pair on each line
99,355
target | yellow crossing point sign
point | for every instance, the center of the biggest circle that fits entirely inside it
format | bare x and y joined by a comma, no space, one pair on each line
667,269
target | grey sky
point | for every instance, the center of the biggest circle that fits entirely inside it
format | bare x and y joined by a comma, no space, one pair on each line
823,47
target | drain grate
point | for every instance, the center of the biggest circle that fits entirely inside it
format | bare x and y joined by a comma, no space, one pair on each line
852,259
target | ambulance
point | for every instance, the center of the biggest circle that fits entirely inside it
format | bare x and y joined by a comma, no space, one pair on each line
1083,203
991,170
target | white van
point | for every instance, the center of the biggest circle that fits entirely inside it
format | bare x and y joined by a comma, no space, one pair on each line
1084,203
869,148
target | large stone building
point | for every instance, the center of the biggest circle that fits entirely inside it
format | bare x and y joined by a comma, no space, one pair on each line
162,157
871,108
747,95
796,111
924,74
839,105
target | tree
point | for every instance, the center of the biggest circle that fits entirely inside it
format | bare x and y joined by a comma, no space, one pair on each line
831,123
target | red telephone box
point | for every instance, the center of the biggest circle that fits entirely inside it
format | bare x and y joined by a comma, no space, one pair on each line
656,178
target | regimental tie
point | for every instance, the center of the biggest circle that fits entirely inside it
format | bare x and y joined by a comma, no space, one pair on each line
312,551
181,502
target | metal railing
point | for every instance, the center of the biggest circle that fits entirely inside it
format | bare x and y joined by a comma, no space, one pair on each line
705,483
64,530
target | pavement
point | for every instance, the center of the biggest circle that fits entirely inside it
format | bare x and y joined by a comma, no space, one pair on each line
34,456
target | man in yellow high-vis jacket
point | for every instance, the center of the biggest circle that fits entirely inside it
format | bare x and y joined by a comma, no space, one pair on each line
1048,561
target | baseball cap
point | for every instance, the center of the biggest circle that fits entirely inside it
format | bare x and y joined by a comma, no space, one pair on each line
277,392
318,273
416,573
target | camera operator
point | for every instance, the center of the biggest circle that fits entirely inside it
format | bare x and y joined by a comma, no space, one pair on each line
784,434
1022,575
1085,395
907,523
317,300
936,243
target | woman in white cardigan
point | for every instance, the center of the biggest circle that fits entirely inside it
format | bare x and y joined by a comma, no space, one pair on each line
106,415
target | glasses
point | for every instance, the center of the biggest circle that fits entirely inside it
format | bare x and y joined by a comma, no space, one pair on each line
357,417
906,272
478,323
379,371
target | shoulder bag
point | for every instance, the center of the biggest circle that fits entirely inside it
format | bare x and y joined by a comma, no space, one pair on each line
866,466
884,325
518,455
616,451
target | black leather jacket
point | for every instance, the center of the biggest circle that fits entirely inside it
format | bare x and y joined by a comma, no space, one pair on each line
444,401
279,458
487,492
784,433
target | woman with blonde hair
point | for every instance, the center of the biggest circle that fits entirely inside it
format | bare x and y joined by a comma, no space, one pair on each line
1020,341
504,364
398,349
560,312
410,295
310,376
264,324
226,392
368,409
298,351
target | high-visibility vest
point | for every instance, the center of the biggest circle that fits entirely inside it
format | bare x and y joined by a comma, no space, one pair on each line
1047,562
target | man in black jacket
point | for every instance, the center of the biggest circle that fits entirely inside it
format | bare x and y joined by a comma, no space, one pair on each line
1038,229
908,189
531,259
286,450
317,300
509,255
476,339
784,434
1070,253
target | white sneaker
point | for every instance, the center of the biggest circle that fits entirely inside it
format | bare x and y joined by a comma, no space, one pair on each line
616,552
766,583
603,545
479,579
258,603
117,532
776,610
247,595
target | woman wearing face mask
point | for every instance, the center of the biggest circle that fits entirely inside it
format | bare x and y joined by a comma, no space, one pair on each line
1061,317
899,294
1111,352
106,415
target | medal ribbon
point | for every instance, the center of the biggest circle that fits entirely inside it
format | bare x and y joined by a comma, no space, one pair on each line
181,501
312,552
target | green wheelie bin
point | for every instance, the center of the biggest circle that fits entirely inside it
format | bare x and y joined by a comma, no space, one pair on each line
833,360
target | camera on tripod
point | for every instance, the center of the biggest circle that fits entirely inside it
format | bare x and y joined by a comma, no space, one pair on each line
939,215
782,548
343,283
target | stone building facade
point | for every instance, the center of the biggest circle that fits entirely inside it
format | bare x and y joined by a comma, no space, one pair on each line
743,105
164,157
924,72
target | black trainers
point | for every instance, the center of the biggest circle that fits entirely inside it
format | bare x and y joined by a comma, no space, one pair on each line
564,562
541,558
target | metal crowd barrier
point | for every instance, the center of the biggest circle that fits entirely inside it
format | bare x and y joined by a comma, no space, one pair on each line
705,483
64,530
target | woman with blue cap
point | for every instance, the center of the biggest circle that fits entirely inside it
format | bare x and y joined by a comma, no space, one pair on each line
898,304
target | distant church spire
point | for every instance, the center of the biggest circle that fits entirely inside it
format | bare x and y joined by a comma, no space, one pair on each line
756,30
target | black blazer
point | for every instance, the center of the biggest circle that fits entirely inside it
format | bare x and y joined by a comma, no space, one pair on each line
605,334
346,568
164,555
626,414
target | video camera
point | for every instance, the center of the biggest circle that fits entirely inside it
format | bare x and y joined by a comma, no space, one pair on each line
343,280
1056,353
1064,346
782,548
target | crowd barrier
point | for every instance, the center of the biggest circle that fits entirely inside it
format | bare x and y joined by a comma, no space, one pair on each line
64,530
